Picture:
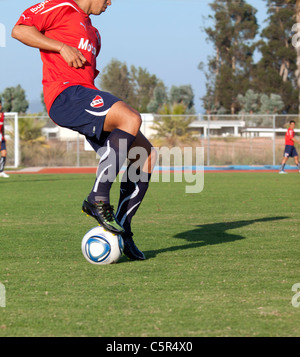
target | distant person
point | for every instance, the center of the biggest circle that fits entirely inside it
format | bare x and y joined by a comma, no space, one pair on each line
290,150
3,144
69,45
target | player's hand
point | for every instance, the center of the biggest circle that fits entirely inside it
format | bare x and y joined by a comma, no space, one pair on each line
72,56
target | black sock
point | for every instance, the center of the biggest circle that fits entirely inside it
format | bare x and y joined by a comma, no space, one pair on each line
131,196
2,163
112,156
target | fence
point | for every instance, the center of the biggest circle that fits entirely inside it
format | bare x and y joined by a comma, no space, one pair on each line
227,139
237,139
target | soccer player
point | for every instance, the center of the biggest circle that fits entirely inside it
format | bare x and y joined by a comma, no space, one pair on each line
3,144
69,44
290,150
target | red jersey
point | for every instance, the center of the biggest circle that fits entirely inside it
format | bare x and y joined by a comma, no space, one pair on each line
65,21
288,137
2,127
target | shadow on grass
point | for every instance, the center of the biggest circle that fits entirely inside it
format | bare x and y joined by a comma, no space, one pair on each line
209,234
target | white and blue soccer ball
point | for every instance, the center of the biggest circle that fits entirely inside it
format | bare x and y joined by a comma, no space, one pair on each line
100,246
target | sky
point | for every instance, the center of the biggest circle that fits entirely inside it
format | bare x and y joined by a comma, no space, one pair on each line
164,36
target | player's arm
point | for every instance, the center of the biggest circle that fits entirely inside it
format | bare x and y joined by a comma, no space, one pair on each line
31,36
296,141
292,137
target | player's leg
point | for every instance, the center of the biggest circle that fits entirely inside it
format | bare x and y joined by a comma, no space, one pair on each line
106,122
283,163
111,127
3,160
122,123
134,185
286,156
294,154
297,162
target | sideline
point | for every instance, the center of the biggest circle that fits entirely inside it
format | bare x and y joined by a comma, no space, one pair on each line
207,169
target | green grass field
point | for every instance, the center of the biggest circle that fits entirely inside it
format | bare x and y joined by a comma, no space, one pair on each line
220,263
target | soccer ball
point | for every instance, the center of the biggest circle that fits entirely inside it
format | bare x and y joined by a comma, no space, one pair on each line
100,246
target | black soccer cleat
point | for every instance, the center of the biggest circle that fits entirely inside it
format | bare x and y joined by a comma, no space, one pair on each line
130,249
104,214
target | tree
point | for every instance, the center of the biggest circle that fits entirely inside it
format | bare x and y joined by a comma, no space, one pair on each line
173,124
136,87
159,97
272,104
144,85
115,78
43,102
178,95
183,95
233,33
249,102
255,103
15,100
297,72
144,91
275,71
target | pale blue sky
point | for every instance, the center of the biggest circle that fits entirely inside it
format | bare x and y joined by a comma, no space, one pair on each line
164,36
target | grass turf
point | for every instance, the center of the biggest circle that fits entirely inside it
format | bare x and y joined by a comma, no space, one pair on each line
220,263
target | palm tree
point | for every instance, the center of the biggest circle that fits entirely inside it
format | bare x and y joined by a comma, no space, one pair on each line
172,124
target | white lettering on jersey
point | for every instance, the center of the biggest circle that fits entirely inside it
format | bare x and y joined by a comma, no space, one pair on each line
87,46
40,7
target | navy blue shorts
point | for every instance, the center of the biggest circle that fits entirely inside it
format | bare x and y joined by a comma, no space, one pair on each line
3,145
290,151
83,110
